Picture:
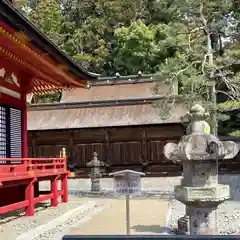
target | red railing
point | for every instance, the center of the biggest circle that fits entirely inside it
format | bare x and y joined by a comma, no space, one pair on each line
31,167
27,172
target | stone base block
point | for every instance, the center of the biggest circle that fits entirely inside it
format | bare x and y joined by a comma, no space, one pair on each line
213,195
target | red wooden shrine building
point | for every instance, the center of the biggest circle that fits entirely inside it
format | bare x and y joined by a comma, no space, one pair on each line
29,63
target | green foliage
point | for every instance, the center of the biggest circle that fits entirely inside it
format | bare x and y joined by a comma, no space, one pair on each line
235,133
229,105
137,48
167,37
47,98
231,123
47,16
92,29
21,4
190,66
128,36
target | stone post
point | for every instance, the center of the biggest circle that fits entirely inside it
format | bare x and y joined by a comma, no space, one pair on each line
199,152
95,174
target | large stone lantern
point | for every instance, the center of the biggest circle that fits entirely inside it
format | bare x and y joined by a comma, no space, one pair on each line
95,173
199,152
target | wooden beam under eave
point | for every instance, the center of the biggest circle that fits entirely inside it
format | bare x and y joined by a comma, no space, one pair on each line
22,37
23,64
43,87
59,73
37,91
35,88
63,67
34,72
45,56
48,80
68,80
23,50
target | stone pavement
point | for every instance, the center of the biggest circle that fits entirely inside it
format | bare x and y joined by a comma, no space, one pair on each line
147,216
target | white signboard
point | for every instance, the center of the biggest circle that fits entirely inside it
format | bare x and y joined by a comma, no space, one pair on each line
127,185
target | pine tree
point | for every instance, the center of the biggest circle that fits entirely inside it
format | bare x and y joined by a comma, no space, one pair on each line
168,37
201,60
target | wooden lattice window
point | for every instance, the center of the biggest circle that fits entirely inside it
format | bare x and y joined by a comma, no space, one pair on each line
3,134
10,133
15,133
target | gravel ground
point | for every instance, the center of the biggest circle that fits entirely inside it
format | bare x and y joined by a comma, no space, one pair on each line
228,219
15,224
65,227
228,213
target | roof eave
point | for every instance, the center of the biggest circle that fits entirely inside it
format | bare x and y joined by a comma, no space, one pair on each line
94,104
16,20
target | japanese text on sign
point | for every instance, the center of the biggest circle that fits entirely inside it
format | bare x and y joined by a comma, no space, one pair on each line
127,186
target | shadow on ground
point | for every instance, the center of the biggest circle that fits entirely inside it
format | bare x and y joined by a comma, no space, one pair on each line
150,229
13,215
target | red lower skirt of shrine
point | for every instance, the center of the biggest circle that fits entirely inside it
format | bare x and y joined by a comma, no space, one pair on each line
20,183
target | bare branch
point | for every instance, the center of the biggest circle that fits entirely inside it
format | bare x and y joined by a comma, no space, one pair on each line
204,21
231,86
184,69
204,63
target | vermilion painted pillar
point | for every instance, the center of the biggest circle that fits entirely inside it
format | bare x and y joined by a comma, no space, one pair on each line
29,196
64,179
65,188
54,190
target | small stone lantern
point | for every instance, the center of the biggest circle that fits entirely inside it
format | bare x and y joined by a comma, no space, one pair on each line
95,174
199,152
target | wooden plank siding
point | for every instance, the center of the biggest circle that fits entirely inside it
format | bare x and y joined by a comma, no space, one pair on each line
122,147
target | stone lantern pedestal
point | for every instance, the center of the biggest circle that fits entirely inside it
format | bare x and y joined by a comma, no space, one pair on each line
199,153
202,204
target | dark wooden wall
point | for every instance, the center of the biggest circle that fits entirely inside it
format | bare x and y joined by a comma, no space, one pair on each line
121,147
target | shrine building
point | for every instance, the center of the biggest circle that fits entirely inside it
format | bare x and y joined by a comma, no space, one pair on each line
29,64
